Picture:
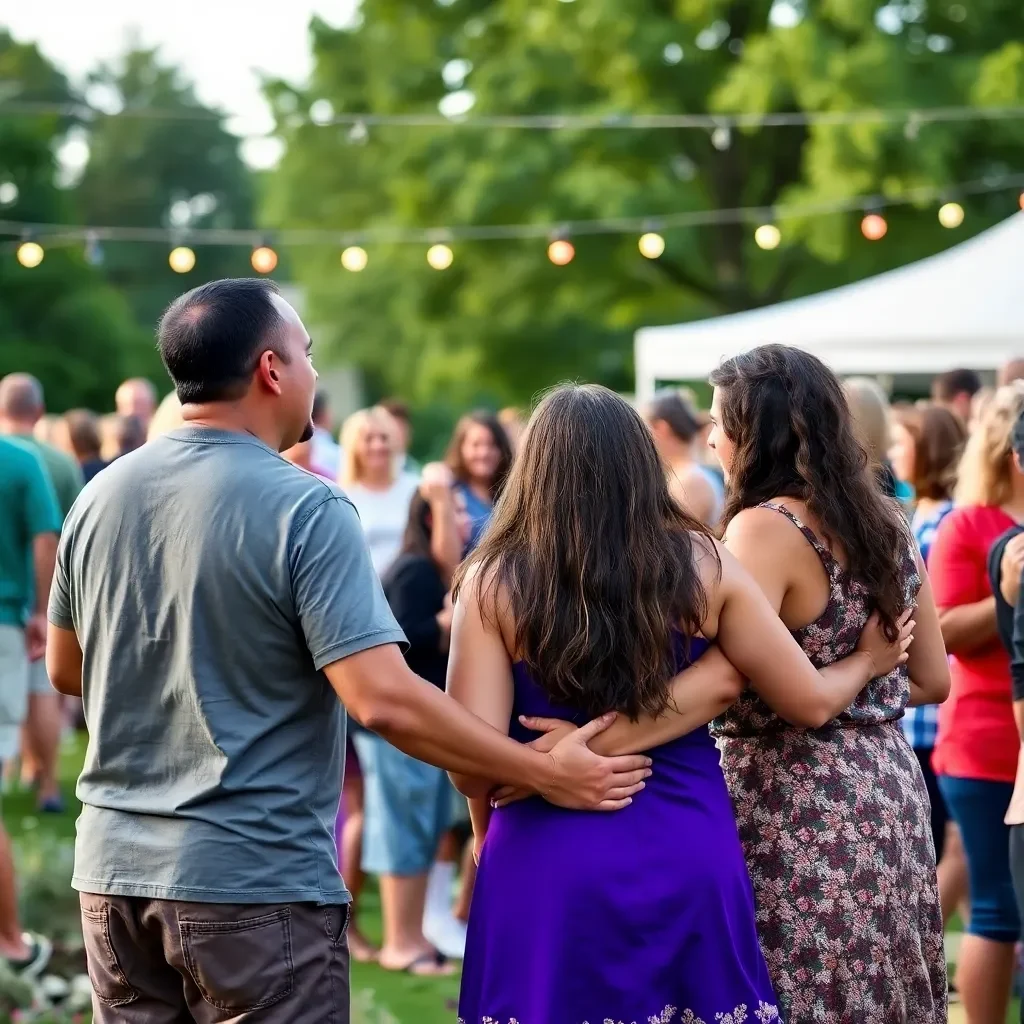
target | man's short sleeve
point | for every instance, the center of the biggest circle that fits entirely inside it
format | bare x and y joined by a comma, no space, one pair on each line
338,597
59,610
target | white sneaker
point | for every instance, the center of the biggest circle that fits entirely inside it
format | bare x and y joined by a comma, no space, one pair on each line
447,935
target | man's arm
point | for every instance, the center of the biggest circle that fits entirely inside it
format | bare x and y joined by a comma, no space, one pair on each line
385,696
42,520
64,661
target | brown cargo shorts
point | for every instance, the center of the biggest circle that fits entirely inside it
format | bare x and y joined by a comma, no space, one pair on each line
167,962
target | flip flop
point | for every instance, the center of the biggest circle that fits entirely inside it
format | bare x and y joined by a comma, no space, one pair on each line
417,967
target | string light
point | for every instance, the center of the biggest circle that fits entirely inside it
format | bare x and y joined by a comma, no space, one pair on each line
767,236
561,252
651,245
263,259
30,254
1021,200
354,259
951,215
873,227
440,257
182,259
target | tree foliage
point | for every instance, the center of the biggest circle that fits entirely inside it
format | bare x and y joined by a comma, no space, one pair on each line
173,171
503,321
59,321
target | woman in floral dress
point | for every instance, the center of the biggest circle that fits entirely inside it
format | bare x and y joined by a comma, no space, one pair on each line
834,820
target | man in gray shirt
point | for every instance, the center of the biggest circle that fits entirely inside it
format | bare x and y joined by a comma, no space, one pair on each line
212,603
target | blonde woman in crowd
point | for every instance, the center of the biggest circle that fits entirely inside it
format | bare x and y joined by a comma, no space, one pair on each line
977,744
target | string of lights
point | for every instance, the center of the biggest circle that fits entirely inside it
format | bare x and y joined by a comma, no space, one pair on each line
322,114
30,239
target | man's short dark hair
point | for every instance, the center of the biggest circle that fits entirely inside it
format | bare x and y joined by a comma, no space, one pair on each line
955,382
321,403
397,408
211,338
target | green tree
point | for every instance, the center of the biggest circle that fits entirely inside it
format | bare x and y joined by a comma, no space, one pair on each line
181,169
59,320
504,321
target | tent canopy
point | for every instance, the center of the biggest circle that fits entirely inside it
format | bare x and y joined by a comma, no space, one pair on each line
963,307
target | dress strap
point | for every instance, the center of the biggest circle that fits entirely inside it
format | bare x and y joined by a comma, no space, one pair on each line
832,566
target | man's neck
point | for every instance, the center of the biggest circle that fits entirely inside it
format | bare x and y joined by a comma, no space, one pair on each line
232,418
16,428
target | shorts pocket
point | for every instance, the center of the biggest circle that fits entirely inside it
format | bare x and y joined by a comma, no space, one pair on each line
105,973
240,966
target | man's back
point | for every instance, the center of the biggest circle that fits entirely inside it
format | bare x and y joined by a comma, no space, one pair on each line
208,581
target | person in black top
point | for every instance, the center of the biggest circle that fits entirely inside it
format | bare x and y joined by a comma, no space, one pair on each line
408,803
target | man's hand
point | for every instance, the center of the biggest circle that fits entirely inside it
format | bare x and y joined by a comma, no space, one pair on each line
553,731
35,637
1010,568
584,781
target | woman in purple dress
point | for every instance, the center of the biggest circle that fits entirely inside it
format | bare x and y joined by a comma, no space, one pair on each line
592,590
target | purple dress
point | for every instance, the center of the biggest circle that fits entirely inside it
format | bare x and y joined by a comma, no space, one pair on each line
642,915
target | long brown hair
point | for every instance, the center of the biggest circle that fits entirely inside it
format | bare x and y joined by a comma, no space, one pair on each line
453,458
785,412
939,437
595,559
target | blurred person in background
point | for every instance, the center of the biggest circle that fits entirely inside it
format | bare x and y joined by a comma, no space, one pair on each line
373,483
869,407
45,429
136,397
30,523
675,425
120,435
955,389
979,404
167,417
1010,371
408,802
326,451
513,423
303,455
977,743
927,443
79,435
399,412
21,409
480,457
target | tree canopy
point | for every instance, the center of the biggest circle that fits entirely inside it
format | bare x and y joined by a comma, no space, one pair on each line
503,321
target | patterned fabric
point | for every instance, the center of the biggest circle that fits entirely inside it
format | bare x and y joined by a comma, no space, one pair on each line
765,1013
835,828
921,724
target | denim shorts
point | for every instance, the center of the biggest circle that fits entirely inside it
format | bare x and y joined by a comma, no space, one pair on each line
978,806
407,807
14,685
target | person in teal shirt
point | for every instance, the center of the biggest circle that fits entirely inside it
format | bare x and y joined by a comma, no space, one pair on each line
30,523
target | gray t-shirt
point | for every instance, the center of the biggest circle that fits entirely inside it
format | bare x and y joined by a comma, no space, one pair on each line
209,581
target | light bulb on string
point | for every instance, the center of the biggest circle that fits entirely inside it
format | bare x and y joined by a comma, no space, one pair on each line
767,236
263,259
561,252
651,245
951,215
30,254
354,259
181,259
440,257
1020,200
873,227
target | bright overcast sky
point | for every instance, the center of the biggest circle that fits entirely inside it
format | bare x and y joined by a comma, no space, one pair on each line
223,45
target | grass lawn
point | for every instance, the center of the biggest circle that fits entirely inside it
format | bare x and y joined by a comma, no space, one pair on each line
396,997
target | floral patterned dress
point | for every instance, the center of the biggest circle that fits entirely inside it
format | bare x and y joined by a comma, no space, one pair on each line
836,831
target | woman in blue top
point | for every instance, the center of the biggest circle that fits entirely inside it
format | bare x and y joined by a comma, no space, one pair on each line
480,457
926,446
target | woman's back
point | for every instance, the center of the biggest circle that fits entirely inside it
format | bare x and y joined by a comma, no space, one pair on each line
644,913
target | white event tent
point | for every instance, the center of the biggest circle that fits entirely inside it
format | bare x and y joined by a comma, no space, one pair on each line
962,307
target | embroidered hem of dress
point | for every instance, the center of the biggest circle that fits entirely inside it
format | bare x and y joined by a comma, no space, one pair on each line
765,1014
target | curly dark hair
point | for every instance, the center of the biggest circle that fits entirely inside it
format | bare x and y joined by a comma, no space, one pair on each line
596,560
785,412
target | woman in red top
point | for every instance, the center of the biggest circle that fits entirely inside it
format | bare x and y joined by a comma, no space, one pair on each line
977,744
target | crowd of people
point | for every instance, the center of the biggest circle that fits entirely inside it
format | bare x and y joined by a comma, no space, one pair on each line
774,596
